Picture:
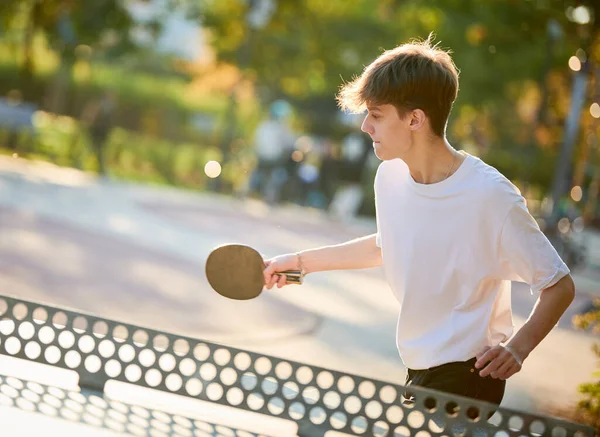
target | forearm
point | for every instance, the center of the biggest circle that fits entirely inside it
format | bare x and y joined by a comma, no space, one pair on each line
356,254
550,306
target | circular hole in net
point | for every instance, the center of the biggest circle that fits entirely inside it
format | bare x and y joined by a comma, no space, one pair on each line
26,330
59,320
20,311
181,347
249,381
515,423
35,387
12,345
380,429
580,434
153,378
86,344
40,316
255,401
113,368
80,324
423,434
7,327
52,354
436,425
373,409
120,334
126,353
402,431
505,434
25,405
430,404
182,421
290,390
140,338
276,406
415,419
222,357
332,400
242,361
72,359
311,395
359,425
167,362
304,375
269,386
66,339
193,387
208,371
9,391
297,411
352,404
174,382
100,329
262,365
228,376
106,348
48,410
187,367
537,428
46,334
559,431
5,401
77,397
16,383
283,370
235,396
338,420
394,414
93,364
3,307
160,342
325,380
366,389
147,358
473,414
201,352
452,409
345,384
214,391
32,350
133,373
388,394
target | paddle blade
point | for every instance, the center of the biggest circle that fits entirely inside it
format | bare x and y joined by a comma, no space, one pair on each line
235,271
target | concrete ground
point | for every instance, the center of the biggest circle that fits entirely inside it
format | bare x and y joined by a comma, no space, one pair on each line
136,253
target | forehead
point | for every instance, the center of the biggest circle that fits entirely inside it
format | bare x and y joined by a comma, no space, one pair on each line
379,107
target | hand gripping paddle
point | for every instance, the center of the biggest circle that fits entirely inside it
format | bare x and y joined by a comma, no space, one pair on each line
236,271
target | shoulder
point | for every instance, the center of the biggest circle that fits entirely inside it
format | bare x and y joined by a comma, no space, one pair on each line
493,187
393,169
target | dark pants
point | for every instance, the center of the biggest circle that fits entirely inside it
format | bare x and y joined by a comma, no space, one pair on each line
460,378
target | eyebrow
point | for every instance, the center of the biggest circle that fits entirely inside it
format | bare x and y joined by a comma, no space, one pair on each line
373,108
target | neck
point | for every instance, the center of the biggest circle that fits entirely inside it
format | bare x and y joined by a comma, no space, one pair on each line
432,161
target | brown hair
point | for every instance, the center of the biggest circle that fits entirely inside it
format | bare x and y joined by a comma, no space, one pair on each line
417,75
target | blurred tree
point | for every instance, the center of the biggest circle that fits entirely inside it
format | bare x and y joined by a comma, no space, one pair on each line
512,55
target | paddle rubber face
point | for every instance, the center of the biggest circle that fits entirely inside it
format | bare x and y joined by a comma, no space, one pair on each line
235,271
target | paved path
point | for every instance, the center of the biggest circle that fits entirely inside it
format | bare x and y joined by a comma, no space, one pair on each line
136,253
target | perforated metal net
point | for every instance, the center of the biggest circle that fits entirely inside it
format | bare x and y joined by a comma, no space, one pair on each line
317,399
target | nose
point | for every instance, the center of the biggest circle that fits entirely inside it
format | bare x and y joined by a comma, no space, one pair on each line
366,126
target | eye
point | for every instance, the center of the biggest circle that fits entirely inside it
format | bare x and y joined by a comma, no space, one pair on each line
376,116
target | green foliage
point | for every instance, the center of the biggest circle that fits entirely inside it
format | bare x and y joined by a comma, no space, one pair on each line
589,407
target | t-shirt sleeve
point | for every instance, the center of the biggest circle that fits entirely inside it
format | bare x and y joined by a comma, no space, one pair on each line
526,255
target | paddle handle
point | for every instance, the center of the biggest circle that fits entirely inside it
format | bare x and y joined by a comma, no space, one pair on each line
292,276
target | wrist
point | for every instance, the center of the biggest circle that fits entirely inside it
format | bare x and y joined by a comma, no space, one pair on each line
300,263
519,351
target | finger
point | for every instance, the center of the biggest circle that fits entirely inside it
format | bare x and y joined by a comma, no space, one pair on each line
489,355
268,274
515,368
281,282
274,280
480,354
502,369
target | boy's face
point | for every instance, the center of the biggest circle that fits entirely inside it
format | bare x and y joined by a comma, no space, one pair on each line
390,133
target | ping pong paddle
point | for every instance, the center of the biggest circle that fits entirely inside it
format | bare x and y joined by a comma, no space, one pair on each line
236,271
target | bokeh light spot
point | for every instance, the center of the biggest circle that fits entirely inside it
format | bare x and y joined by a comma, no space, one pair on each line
212,169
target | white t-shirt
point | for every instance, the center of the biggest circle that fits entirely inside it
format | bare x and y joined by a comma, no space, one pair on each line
450,250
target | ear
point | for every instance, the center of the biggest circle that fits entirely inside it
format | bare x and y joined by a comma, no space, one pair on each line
417,119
